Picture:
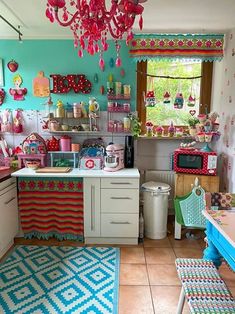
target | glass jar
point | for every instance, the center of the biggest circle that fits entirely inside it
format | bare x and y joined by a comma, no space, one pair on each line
77,110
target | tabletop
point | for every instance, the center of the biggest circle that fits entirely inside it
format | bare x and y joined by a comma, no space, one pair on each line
224,222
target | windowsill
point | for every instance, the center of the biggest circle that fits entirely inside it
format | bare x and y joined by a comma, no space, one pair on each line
163,138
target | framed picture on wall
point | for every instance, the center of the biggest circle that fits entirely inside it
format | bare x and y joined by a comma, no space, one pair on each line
1,74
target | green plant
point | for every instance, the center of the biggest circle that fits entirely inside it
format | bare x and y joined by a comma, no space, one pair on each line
135,125
193,121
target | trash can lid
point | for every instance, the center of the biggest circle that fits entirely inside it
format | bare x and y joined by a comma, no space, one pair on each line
153,186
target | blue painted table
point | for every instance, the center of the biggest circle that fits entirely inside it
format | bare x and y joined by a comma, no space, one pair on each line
220,231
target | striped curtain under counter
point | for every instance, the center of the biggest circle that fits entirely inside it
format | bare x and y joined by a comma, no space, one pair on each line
51,207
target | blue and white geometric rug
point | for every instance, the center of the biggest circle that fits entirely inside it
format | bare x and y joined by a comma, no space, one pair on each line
59,279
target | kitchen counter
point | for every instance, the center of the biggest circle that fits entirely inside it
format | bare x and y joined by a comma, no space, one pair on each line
96,206
75,173
6,174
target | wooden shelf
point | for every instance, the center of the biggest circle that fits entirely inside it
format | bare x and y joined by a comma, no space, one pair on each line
162,138
118,97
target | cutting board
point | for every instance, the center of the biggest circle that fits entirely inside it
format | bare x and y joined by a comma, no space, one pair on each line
53,170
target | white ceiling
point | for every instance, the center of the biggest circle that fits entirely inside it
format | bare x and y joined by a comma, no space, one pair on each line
160,16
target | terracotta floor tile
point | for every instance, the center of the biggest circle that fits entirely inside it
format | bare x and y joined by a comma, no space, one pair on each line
135,300
132,255
165,299
232,289
188,252
133,274
159,255
185,243
227,275
163,275
157,243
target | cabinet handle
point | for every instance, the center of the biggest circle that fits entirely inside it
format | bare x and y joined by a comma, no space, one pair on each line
10,200
120,223
120,198
92,210
120,183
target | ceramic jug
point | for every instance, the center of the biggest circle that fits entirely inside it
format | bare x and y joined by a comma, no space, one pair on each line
53,125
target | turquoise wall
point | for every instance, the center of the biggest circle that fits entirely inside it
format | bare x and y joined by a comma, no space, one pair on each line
60,57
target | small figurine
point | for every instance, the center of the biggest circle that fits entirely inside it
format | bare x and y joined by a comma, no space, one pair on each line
171,130
159,131
149,128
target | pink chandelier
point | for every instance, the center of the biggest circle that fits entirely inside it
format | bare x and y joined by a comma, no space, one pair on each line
91,21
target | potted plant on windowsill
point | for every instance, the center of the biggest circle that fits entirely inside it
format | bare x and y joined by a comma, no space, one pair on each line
192,125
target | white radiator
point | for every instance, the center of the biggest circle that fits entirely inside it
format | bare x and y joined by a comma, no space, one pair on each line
163,176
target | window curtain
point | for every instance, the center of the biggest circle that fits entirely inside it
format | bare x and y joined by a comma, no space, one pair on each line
204,47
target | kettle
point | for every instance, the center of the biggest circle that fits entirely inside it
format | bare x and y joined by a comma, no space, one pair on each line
53,125
53,144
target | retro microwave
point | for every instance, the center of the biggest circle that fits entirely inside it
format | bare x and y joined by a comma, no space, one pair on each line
195,162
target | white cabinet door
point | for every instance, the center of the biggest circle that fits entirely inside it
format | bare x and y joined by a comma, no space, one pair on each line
9,218
91,190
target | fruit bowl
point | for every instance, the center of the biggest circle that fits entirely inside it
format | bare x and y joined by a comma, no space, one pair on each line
32,164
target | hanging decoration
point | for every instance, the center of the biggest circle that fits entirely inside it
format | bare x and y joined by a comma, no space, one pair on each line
192,112
102,89
111,62
41,85
91,21
166,98
179,101
191,101
96,78
6,125
150,100
122,72
2,96
63,84
18,121
17,92
12,65
204,47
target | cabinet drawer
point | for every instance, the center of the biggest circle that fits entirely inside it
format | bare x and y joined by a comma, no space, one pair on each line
9,219
120,183
120,201
119,225
9,183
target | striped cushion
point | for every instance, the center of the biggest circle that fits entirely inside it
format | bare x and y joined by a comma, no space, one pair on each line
204,289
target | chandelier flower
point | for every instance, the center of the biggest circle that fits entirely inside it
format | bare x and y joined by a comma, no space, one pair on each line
91,20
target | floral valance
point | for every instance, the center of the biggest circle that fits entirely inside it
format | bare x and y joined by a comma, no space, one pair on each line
204,47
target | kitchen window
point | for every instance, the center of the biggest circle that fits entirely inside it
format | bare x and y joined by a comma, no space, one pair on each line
164,113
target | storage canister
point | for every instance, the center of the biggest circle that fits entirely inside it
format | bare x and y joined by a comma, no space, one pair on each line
65,143
77,110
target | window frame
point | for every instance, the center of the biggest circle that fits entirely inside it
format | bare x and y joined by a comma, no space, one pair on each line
205,89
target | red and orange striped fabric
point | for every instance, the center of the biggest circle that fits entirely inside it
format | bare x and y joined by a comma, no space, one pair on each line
51,208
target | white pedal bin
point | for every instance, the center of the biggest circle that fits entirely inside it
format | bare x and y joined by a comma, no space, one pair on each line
155,209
